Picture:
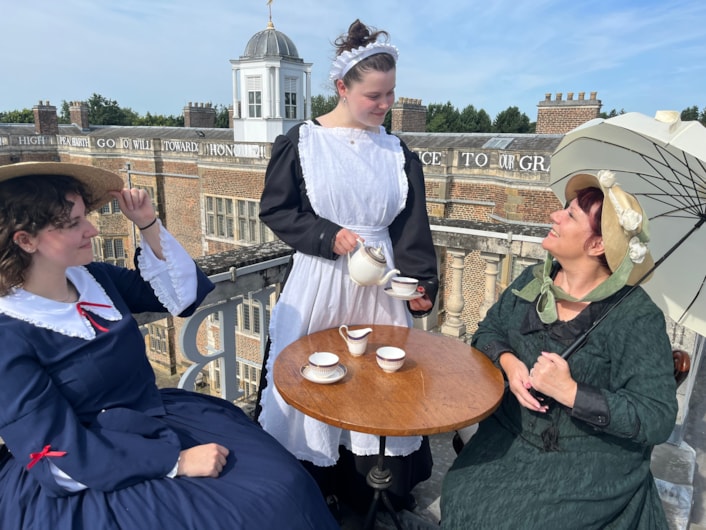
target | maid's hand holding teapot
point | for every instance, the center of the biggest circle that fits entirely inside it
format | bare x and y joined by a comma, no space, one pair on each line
367,266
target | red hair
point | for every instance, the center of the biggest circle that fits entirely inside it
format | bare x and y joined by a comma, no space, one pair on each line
587,199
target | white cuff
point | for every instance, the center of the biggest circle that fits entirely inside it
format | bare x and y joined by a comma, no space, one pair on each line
172,279
173,472
64,480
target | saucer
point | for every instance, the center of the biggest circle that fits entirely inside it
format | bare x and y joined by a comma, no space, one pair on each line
412,296
338,374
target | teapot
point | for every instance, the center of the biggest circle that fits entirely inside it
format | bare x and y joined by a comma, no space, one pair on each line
367,266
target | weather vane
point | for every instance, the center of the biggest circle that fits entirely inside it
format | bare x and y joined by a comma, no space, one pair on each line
269,6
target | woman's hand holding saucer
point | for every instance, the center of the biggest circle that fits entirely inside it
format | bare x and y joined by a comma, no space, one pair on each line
421,304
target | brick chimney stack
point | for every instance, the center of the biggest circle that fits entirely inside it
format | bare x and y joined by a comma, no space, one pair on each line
409,115
45,119
559,116
78,112
200,115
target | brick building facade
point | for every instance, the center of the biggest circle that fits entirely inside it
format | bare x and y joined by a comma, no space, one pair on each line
206,188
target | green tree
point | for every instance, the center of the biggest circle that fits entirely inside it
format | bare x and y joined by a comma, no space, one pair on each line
17,116
387,122
64,113
474,121
511,120
443,118
690,114
320,105
222,117
158,120
612,114
104,111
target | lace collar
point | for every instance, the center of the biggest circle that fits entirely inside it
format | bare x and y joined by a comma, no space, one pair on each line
62,317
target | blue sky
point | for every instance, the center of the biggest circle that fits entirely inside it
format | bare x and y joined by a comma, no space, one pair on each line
158,55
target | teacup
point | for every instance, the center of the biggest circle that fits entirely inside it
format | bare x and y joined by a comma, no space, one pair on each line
404,285
356,339
390,358
323,363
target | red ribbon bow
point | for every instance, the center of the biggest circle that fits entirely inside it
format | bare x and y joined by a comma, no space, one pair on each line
36,457
81,311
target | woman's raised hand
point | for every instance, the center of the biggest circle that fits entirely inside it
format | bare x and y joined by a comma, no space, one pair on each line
136,205
205,460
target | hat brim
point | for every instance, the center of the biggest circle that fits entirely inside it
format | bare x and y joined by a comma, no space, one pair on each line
614,241
99,182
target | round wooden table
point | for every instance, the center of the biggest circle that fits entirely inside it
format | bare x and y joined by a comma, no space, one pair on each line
444,385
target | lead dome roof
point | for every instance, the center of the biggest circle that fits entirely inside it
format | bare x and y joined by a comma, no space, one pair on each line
270,43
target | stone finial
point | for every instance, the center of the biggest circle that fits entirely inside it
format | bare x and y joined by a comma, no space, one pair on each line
548,96
582,95
559,96
594,95
569,96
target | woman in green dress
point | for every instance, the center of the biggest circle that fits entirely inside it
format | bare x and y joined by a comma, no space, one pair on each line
577,454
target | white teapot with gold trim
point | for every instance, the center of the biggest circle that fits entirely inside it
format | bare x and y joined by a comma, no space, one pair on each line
368,266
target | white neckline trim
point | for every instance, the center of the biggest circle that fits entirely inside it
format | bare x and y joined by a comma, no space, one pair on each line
62,317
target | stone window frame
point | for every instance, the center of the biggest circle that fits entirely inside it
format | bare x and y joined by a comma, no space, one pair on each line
235,219
290,98
110,250
158,339
111,207
249,378
248,318
220,216
254,89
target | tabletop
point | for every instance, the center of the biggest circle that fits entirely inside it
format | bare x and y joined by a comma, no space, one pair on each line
444,385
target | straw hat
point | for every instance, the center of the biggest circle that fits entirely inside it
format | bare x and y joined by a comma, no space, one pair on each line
98,181
623,223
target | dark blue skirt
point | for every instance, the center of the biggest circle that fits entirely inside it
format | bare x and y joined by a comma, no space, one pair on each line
262,485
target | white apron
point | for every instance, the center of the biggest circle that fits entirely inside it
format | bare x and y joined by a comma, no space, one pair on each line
356,179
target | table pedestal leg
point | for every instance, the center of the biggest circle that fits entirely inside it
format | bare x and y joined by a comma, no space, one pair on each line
380,478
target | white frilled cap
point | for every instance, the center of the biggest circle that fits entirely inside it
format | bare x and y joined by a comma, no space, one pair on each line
348,59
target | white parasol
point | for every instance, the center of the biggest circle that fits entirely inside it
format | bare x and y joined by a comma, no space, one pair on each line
662,161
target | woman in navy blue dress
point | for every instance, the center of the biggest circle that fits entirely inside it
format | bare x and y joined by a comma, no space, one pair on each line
93,443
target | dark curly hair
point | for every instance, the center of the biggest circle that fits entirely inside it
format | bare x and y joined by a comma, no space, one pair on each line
30,204
361,35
